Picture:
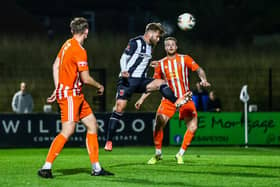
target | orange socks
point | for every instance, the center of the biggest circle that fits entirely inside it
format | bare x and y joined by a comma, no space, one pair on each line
56,147
187,139
158,137
92,147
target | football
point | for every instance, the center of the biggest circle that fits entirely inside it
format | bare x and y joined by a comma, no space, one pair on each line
186,21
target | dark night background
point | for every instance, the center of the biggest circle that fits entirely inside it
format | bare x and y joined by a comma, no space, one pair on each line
219,21
236,41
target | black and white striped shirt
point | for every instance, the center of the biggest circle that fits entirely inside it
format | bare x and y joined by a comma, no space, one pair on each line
136,58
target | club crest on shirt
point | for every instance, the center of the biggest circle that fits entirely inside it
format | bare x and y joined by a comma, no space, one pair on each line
82,64
121,92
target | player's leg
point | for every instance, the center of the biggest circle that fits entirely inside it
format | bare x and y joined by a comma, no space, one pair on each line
161,121
56,147
189,114
69,115
124,92
165,90
92,144
113,122
165,111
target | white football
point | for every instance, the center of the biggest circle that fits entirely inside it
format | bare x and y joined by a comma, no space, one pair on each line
186,21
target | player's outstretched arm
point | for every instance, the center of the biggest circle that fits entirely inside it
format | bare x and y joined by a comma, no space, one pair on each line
201,74
140,101
87,79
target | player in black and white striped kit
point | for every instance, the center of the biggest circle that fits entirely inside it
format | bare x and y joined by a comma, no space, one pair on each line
134,64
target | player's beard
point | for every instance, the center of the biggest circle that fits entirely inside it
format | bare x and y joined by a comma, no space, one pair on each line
171,53
153,42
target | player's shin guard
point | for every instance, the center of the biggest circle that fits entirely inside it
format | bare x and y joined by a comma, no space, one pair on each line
158,137
92,147
56,147
167,93
187,139
113,123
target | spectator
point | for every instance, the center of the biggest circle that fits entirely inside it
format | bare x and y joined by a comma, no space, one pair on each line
200,98
214,103
22,101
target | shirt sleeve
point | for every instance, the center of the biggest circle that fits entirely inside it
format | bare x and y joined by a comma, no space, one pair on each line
131,48
191,64
157,72
80,58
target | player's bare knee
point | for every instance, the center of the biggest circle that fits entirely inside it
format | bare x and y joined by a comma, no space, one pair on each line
92,128
119,107
192,127
160,122
67,132
149,88
154,85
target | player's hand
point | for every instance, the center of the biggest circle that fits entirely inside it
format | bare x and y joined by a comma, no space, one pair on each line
154,64
205,83
52,98
189,95
100,90
138,104
125,74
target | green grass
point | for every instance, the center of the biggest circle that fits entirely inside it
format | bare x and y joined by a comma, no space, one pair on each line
204,166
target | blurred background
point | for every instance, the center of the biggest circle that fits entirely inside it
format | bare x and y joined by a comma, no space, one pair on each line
237,43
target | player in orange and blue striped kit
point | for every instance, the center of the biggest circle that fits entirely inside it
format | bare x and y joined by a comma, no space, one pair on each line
174,68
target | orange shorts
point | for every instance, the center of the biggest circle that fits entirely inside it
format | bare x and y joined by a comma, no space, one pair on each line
167,108
74,108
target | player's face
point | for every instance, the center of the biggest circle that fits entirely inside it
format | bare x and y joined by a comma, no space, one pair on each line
155,37
170,47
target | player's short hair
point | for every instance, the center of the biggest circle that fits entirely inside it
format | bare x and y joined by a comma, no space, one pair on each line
78,25
170,38
155,27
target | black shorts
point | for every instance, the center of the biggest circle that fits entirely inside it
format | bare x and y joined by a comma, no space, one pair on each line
128,86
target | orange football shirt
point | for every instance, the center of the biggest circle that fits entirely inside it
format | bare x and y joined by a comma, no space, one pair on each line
73,59
175,72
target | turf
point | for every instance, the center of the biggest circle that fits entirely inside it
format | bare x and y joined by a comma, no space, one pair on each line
204,166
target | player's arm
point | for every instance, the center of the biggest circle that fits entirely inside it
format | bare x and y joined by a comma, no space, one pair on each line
128,52
55,67
201,74
55,71
87,79
123,64
141,100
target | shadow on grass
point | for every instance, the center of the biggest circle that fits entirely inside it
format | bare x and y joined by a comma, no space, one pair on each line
221,173
146,182
128,164
73,171
173,167
249,166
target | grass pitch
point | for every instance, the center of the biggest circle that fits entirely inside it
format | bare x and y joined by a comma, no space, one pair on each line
204,166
